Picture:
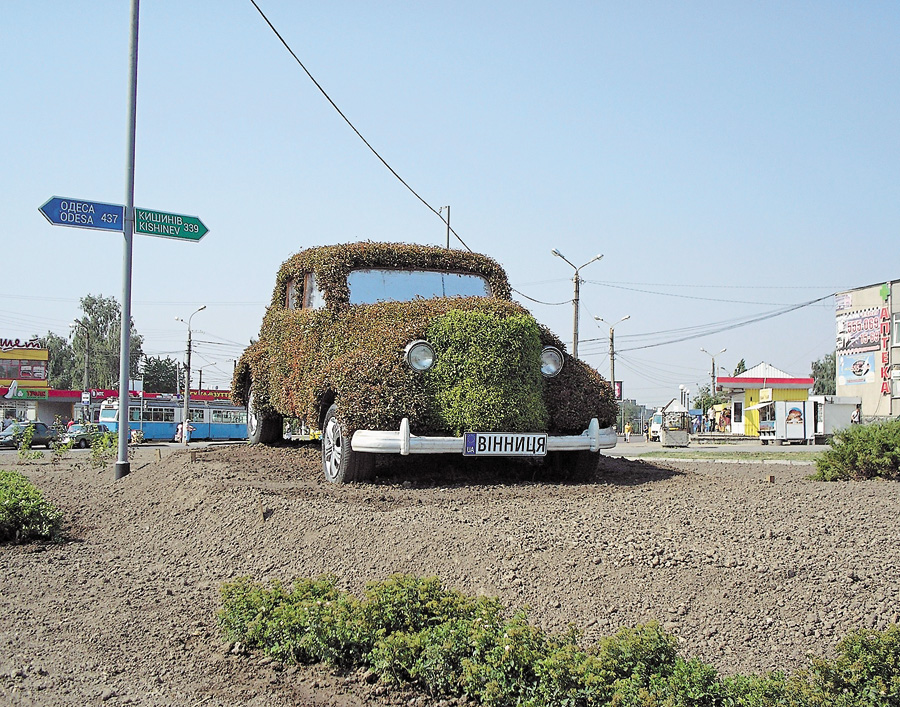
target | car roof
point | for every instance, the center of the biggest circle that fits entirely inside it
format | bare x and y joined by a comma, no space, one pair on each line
331,265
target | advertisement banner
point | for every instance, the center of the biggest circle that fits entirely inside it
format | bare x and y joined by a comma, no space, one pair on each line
618,390
859,331
856,369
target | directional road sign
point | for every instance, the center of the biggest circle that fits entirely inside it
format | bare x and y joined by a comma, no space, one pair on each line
165,225
78,213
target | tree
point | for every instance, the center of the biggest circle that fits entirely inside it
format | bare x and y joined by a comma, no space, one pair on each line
823,372
705,401
97,336
62,373
740,368
160,375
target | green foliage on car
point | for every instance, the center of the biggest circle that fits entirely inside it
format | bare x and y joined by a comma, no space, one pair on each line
414,631
487,372
486,377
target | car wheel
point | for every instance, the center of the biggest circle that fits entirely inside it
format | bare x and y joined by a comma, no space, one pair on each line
82,443
339,462
262,428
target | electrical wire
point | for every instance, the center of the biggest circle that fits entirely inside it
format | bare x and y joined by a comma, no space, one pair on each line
714,330
537,301
353,128
690,297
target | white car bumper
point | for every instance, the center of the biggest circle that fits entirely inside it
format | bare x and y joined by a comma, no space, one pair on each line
402,442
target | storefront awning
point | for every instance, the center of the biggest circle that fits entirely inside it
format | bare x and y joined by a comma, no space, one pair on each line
759,405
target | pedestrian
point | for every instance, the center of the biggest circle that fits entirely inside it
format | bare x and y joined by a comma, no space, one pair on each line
627,430
856,416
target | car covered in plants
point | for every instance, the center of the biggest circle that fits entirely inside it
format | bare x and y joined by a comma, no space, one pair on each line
388,348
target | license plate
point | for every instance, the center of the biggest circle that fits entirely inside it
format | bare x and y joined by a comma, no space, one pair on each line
498,444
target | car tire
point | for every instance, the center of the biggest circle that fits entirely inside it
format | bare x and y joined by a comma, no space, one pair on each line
262,428
82,444
339,462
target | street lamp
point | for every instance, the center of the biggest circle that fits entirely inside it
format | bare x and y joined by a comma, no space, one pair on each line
185,420
577,280
712,376
612,348
87,352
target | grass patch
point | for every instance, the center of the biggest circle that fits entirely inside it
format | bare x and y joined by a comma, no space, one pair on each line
410,630
736,455
24,514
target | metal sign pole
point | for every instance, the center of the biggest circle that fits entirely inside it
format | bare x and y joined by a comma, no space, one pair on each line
123,466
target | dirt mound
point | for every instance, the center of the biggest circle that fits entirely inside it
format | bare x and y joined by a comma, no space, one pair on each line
750,575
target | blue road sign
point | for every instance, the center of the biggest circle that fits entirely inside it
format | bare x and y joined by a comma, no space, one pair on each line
78,213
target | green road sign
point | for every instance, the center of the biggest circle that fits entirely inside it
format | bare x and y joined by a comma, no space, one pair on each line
164,225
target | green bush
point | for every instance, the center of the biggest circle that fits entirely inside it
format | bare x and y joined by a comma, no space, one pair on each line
24,514
862,452
413,630
103,449
25,450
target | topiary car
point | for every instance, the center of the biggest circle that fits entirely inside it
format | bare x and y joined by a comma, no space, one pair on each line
391,348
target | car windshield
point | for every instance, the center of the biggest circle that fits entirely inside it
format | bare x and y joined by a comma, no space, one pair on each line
75,429
385,285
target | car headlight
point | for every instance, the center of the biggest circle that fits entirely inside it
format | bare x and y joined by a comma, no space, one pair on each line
551,361
419,355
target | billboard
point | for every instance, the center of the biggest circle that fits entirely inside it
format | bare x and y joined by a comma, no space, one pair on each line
859,331
855,369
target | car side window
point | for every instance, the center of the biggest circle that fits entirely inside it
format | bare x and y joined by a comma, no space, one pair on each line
312,295
290,295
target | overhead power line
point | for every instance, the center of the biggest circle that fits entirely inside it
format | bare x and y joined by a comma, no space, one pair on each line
353,128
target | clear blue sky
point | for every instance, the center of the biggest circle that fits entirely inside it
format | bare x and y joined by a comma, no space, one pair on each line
728,159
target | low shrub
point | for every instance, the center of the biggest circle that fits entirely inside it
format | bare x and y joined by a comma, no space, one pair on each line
103,449
24,514
412,630
862,452
25,450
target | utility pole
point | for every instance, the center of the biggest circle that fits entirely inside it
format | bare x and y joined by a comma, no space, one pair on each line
186,416
712,375
448,225
577,296
87,353
612,348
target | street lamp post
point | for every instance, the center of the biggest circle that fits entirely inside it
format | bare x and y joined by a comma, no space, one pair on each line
712,376
577,280
186,417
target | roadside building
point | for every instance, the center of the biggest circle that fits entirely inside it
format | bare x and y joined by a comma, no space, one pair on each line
867,348
23,377
754,392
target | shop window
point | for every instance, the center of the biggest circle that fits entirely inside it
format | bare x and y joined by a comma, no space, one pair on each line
895,330
738,412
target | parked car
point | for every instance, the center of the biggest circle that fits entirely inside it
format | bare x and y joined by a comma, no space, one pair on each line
391,348
83,435
41,436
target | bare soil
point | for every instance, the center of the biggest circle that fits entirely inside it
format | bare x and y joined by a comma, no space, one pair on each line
749,574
